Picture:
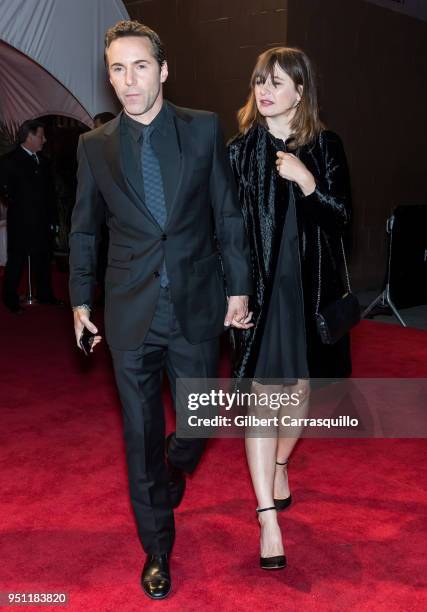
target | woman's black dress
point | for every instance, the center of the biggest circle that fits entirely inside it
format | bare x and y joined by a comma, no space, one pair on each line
283,353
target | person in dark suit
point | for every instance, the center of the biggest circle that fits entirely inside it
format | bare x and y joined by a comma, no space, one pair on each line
169,199
102,119
27,186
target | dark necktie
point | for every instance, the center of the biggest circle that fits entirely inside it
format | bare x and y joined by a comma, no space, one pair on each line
153,188
36,159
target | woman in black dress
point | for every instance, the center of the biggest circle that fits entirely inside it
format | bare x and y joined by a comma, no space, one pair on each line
293,186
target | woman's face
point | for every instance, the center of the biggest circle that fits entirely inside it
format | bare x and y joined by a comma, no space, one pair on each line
278,95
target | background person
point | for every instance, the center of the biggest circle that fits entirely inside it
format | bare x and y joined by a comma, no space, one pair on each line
102,119
27,186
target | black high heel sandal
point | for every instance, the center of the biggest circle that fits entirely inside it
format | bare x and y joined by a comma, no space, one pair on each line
271,563
282,504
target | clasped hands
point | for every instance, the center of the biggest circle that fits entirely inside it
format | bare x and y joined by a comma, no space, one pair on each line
237,312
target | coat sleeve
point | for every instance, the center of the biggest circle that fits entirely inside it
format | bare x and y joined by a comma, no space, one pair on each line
329,206
88,214
229,224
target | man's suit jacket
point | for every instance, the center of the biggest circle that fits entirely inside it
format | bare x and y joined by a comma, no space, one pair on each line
203,213
28,190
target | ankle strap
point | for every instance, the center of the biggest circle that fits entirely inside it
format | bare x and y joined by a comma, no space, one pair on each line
265,509
286,462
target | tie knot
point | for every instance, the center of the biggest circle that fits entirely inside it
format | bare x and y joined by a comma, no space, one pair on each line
147,132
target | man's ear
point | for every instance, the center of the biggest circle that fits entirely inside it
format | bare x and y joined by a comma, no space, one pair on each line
164,72
108,72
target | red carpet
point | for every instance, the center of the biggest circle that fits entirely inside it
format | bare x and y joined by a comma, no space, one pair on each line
355,537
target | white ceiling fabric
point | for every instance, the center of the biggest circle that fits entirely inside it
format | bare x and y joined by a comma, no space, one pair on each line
51,58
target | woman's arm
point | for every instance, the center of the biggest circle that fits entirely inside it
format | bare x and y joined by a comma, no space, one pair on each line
329,205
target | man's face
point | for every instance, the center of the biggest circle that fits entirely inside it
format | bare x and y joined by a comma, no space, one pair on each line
35,141
135,74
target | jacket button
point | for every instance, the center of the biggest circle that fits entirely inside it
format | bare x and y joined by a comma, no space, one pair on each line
156,274
164,237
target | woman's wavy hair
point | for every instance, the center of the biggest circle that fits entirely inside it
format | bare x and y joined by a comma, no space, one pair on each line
305,124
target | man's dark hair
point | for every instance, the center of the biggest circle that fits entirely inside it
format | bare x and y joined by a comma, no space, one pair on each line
104,117
135,28
29,126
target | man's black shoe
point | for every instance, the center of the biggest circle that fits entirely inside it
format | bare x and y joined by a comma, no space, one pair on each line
155,578
177,480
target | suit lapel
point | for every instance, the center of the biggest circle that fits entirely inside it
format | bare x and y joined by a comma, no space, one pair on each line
113,155
172,183
113,152
182,121
26,158
170,166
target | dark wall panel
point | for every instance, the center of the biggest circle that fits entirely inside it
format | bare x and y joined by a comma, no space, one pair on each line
373,82
212,46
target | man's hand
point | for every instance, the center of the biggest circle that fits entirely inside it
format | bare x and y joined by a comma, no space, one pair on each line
81,320
237,313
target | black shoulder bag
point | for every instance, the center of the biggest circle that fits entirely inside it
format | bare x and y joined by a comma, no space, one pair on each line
337,318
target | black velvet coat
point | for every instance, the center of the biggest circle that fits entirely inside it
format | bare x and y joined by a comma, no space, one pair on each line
264,198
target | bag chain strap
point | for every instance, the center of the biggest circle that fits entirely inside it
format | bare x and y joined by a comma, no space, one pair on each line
347,276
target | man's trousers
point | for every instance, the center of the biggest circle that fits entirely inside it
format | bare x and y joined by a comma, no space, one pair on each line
139,375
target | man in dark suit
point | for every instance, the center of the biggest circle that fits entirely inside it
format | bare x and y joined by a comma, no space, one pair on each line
27,186
165,178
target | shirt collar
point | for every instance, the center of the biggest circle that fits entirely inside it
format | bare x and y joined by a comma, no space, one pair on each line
28,151
160,122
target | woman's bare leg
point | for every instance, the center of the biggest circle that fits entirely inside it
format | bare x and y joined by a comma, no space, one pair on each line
285,445
261,455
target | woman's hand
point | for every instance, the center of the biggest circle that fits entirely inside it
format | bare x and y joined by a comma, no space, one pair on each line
291,168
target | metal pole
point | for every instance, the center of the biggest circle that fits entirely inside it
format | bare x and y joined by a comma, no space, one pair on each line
384,299
30,299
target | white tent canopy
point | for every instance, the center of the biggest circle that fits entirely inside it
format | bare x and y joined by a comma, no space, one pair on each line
51,58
